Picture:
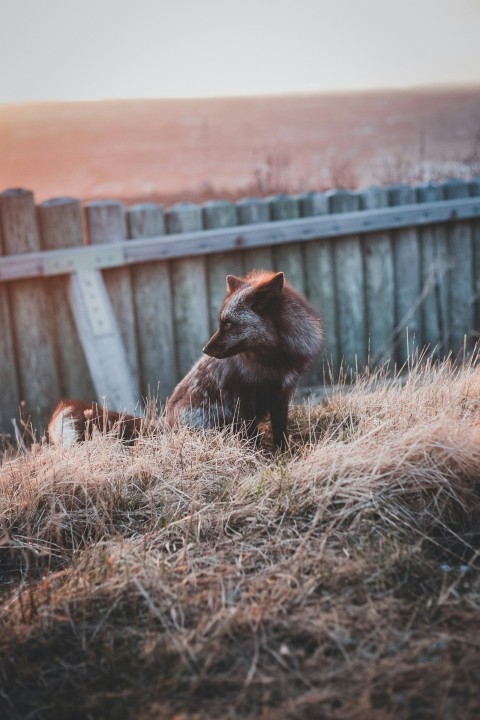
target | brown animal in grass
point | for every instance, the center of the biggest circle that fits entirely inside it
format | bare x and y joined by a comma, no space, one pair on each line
267,338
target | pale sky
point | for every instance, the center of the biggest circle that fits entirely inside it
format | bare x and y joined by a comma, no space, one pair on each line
95,49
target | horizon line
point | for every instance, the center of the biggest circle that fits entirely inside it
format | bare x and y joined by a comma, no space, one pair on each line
431,87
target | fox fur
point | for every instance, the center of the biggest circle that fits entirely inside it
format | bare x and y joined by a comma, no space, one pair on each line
268,336
75,421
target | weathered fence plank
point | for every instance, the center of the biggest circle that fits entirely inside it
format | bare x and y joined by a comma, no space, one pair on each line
379,282
288,258
9,393
313,203
435,270
190,291
253,211
475,192
100,336
462,307
408,289
220,214
107,224
9,388
350,286
37,371
60,224
152,294
321,286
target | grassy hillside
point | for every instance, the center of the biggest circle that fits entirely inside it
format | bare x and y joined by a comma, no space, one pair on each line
192,577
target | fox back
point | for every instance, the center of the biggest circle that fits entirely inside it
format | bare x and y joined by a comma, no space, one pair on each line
268,336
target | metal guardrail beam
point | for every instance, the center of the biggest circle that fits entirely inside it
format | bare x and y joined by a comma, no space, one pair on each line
165,247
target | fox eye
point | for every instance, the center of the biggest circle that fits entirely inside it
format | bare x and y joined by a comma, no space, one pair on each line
227,325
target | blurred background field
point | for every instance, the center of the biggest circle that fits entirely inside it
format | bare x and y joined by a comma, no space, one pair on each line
201,149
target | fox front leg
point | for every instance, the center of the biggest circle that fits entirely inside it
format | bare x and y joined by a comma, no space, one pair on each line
279,418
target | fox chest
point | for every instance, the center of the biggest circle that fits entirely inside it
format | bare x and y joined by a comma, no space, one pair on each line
255,400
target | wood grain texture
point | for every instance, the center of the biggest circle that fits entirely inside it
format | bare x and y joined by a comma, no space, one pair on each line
60,223
288,258
9,388
251,211
152,295
320,288
106,224
38,381
100,337
220,214
379,282
436,265
350,285
408,284
462,293
474,187
190,291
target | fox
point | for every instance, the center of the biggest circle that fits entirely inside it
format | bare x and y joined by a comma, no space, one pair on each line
75,421
267,338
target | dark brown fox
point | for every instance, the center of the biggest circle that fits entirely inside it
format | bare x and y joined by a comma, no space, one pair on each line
267,338
75,421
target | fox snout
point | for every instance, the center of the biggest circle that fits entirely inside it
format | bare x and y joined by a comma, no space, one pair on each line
221,346
214,346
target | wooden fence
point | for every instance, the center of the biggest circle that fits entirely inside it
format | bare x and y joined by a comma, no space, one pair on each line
102,299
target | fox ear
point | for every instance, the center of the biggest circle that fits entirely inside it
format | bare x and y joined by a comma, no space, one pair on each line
234,283
275,285
268,292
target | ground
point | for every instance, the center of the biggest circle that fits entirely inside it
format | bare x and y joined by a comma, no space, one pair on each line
191,576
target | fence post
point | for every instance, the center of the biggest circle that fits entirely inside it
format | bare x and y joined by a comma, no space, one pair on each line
220,214
320,285
37,370
408,288
152,296
251,211
190,291
475,192
61,225
379,282
462,305
350,286
435,272
106,224
10,393
288,257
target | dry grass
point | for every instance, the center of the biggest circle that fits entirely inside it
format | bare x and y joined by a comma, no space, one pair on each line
192,577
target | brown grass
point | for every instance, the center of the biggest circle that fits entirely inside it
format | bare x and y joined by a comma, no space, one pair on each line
192,577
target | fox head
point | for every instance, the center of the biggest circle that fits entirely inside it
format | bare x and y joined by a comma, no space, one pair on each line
247,321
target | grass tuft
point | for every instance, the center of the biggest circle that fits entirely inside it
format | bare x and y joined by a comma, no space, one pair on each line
191,576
